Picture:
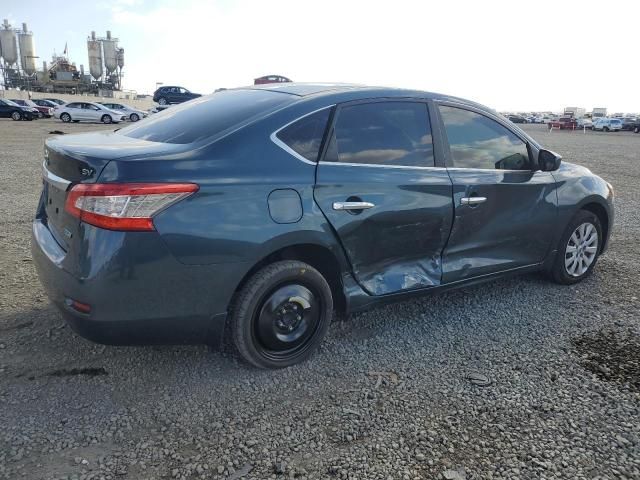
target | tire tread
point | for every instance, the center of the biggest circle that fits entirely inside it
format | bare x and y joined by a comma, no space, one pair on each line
242,305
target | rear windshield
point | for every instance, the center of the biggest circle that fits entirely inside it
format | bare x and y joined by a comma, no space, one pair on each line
205,117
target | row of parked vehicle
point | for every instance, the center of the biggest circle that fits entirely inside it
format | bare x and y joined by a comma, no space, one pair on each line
568,122
104,112
18,109
98,112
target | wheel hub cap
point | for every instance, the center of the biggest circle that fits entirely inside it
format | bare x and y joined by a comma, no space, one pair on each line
581,249
287,319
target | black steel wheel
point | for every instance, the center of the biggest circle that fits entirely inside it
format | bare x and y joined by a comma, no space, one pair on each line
281,314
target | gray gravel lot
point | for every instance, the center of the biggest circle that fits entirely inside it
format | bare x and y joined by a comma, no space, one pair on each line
396,393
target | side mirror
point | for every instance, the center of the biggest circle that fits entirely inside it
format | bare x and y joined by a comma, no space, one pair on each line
548,161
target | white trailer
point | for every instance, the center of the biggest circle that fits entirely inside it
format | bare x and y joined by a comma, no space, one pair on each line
599,112
575,112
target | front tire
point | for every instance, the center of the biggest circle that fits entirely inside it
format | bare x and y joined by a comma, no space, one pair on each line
106,119
134,117
162,101
579,249
281,315
16,116
65,117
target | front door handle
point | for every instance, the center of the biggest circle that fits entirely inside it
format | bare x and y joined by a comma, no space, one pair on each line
352,205
472,200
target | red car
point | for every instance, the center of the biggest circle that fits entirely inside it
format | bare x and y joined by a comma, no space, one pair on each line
43,112
564,123
271,79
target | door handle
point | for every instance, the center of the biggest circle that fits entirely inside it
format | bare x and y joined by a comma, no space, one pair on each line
352,205
472,200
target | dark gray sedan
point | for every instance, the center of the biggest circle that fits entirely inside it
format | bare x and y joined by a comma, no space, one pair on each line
255,213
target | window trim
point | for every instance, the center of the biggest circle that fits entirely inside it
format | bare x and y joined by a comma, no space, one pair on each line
447,147
425,101
274,136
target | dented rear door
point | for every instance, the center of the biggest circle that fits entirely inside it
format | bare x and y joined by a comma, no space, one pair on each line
379,187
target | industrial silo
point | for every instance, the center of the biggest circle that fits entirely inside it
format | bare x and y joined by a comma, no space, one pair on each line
110,47
27,50
95,56
9,44
120,57
43,76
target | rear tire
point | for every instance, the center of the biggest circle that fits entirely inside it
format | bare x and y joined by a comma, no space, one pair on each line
65,117
281,315
578,249
16,116
40,115
106,119
605,129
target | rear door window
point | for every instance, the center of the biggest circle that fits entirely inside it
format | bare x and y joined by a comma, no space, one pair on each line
305,136
383,133
206,117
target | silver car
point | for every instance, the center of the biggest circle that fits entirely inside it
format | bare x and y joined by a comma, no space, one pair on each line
88,112
133,114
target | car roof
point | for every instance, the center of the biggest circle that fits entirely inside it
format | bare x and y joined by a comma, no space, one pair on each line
342,90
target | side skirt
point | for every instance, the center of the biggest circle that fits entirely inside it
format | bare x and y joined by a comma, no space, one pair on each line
358,300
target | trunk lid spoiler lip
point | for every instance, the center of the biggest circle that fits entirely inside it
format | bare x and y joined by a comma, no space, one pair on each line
57,181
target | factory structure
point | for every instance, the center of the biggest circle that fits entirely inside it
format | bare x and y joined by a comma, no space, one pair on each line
19,65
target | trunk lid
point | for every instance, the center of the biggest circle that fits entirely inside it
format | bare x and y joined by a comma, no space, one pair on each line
81,158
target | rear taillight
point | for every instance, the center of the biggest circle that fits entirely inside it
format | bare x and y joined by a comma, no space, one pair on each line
124,206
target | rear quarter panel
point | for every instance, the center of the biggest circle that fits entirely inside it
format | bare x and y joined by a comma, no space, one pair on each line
228,219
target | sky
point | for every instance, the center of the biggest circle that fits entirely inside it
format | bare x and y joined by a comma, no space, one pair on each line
518,55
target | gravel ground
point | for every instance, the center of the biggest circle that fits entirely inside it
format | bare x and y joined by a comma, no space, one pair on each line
518,378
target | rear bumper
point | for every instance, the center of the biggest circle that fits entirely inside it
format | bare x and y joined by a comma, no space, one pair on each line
138,293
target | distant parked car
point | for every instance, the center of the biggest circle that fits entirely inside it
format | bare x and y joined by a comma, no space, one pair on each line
43,112
88,112
167,95
585,123
629,123
41,102
564,123
608,124
271,79
25,104
517,119
57,101
133,114
9,109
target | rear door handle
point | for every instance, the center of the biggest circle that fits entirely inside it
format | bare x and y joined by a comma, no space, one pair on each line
352,205
472,200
